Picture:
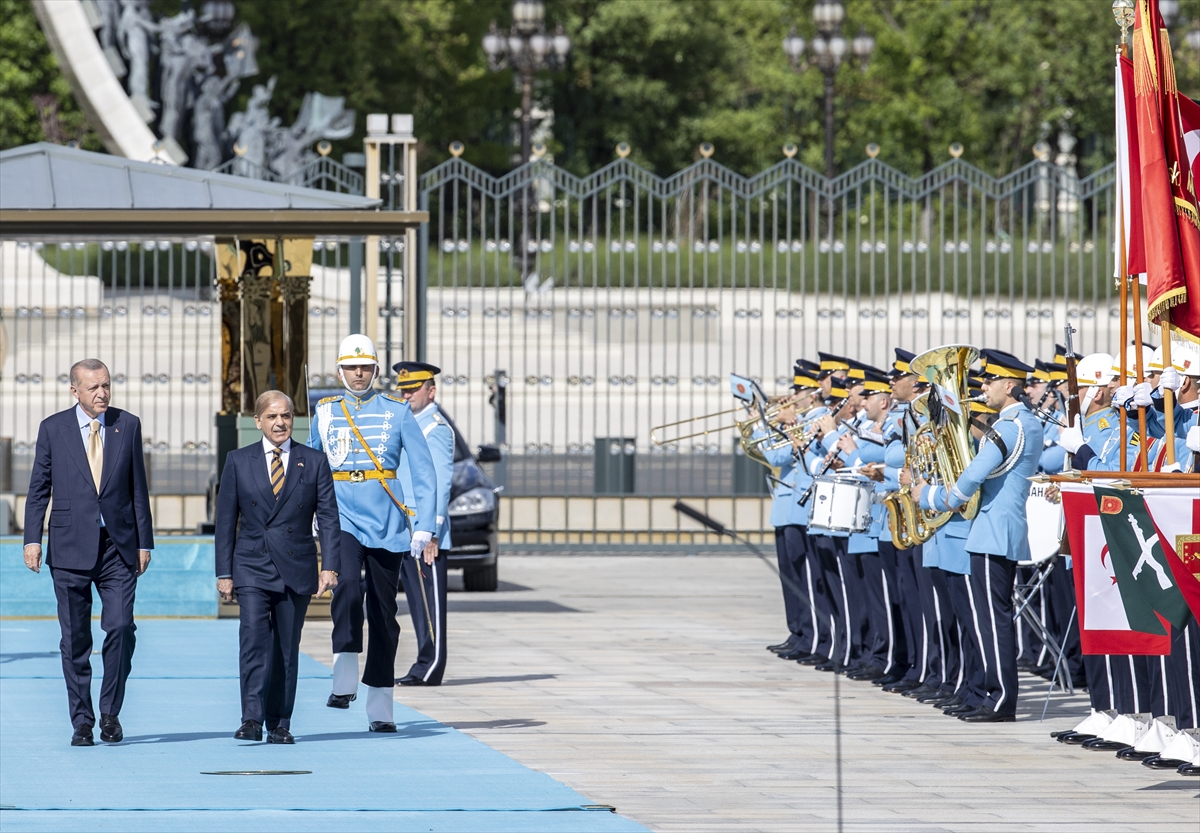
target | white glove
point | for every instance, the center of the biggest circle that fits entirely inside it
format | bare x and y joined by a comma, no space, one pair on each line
1141,395
419,540
1171,379
1193,439
1121,396
1071,438
816,465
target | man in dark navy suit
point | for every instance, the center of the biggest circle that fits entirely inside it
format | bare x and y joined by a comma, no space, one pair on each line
265,553
89,460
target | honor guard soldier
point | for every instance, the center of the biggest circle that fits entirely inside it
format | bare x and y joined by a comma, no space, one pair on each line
416,383
363,432
1007,457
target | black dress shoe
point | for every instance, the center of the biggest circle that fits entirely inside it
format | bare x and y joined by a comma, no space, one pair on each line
813,659
830,665
955,711
1159,762
985,715
921,691
937,694
1025,664
888,679
1130,753
83,737
385,726
1076,738
1189,769
251,730
901,686
280,735
785,645
1099,744
340,701
947,702
793,654
866,674
110,729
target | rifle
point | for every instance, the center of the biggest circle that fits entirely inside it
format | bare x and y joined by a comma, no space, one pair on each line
1072,409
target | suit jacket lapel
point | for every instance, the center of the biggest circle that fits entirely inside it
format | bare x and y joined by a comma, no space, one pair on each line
291,475
259,474
114,441
73,442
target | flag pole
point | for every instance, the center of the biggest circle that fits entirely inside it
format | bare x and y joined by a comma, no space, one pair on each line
1164,321
1123,268
1136,298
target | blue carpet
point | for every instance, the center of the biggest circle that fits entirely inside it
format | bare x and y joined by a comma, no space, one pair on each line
180,711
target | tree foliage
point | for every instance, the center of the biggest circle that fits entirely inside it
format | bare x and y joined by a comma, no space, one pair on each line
995,75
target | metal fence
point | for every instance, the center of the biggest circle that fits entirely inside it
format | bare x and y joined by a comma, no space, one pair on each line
603,306
623,300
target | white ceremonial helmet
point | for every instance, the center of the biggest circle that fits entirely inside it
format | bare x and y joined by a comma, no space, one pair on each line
1131,358
1185,357
357,349
1156,360
1095,369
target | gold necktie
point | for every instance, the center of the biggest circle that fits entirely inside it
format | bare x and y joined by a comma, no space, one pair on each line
277,471
95,453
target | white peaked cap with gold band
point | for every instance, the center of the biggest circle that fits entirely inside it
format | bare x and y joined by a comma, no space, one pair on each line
1095,369
357,349
1156,360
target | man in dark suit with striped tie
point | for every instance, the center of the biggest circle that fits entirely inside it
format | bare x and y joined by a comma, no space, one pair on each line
265,553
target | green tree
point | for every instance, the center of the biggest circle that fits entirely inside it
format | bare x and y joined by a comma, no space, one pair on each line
30,81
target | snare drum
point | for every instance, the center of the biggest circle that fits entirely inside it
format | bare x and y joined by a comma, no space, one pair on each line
841,504
1046,524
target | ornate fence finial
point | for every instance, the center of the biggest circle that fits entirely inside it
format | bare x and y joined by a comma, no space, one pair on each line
456,149
956,149
623,149
706,149
790,150
873,150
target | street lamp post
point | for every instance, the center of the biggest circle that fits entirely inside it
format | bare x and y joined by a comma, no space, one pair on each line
828,49
528,49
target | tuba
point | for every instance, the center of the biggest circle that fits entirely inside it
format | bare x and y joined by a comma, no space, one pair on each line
952,447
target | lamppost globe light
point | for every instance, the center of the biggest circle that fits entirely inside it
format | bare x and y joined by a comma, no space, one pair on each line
562,43
1169,9
1192,38
819,46
539,44
528,15
492,44
837,48
793,45
828,15
863,44
516,45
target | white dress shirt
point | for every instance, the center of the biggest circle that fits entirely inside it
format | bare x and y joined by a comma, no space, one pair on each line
85,429
269,450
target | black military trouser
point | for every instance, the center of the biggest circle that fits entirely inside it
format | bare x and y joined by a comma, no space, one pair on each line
382,574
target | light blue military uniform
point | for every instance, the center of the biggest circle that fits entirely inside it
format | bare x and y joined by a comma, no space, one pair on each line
430,664
1156,422
439,437
1102,433
1000,528
387,425
1054,456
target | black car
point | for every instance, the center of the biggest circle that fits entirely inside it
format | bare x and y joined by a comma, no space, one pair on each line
474,514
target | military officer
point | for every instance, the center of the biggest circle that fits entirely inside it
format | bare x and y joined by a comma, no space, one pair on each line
999,537
416,382
363,432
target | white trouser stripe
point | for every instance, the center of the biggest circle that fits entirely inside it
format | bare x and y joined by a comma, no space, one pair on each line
1162,672
812,606
1137,701
887,614
1112,695
1191,673
937,615
995,634
975,619
845,610
437,621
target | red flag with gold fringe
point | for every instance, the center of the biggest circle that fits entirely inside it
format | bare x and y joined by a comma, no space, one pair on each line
1170,216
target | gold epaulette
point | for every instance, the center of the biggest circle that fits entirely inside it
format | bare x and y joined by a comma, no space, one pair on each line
333,398
399,399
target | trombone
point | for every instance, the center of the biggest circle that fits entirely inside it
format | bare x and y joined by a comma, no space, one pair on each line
744,426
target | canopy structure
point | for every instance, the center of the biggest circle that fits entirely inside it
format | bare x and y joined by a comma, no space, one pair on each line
53,191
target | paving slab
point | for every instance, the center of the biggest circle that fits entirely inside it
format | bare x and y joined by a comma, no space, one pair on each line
652,692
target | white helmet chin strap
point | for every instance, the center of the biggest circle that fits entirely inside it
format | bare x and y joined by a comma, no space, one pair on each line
1088,397
351,391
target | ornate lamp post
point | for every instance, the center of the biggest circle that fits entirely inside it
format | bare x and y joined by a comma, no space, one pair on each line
828,50
527,49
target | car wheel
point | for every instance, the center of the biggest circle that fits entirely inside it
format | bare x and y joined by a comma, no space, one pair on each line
481,579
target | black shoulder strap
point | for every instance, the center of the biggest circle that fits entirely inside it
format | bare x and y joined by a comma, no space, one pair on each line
990,434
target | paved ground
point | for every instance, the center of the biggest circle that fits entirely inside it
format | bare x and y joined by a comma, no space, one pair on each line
642,682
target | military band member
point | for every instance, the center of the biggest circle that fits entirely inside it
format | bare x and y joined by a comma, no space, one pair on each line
363,432
999,536
790,518
416,383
